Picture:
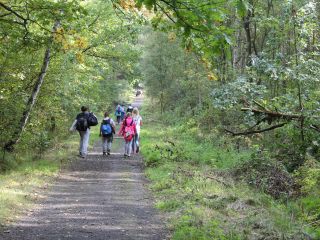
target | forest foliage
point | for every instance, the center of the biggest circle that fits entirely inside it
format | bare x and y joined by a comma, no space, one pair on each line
240,73
55,57
246,71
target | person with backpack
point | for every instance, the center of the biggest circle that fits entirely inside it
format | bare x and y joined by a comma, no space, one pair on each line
129,109
118,113
123,113
128,130
138,121
82,124
107,129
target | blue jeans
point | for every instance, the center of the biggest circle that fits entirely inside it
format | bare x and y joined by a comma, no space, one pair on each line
84,142
128,147
135,142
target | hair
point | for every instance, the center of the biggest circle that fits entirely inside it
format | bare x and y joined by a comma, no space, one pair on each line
106,114
129,114
135,111
84,108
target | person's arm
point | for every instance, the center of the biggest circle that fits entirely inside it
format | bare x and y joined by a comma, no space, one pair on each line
113,126
73,126
121,128
100,131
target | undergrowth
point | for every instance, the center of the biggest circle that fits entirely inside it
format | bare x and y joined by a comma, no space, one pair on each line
193,178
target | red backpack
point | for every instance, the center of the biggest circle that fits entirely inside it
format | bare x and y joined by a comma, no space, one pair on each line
128,130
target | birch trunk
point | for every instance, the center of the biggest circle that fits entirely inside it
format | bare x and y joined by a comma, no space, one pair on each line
9,146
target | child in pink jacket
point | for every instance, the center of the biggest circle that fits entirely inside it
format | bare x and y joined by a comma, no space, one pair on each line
128,130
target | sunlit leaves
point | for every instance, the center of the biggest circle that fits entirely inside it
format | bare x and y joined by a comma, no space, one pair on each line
127,4
91,47
231,94
242,7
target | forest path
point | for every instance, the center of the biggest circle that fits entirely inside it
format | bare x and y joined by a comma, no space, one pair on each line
100,197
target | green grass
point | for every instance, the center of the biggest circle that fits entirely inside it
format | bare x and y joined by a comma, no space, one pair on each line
21,185
191,181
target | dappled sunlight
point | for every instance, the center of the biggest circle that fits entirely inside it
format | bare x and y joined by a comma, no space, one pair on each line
99,197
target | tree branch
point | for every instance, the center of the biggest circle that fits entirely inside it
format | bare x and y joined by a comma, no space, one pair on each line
165,12
14,12
314,127
176,10
6,14
106,57
273,114
94,21
255,131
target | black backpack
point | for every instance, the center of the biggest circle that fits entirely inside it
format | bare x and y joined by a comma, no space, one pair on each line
92,120
82,122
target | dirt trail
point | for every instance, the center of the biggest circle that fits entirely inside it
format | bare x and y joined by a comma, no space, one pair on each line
101,197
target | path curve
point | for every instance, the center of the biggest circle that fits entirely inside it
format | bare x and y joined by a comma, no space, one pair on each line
101,197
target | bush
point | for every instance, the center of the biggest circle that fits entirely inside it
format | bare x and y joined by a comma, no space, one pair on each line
268,175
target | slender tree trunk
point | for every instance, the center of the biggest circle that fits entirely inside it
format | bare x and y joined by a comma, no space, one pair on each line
9,146
246,25
302,134
198,87
247,28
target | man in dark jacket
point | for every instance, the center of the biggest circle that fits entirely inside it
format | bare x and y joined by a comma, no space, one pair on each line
82,125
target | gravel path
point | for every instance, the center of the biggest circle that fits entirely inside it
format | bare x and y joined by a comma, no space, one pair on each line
100,197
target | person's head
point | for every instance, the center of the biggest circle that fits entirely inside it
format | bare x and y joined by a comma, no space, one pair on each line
84,109
129,108
129,114
106,114
135,111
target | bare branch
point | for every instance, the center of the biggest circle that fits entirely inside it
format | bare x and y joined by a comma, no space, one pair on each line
14,12
314,127
106,57
255,131
273,114
165,12
94,21
6,14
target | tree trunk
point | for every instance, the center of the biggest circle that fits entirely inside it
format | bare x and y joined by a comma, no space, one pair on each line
9,146
246,25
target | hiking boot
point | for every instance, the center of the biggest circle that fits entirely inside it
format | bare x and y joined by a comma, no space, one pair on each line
108,152
137,150
104,153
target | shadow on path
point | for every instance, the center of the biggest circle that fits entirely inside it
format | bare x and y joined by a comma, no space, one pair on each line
100,197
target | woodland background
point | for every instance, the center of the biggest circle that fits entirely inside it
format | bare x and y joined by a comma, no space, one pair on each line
237,75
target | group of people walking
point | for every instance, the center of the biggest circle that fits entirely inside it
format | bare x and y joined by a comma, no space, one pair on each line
130,122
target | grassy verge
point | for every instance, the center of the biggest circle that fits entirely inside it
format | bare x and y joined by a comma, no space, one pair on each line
192,183
22,185
30,173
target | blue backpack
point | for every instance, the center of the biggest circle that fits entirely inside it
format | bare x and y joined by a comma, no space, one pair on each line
106,128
